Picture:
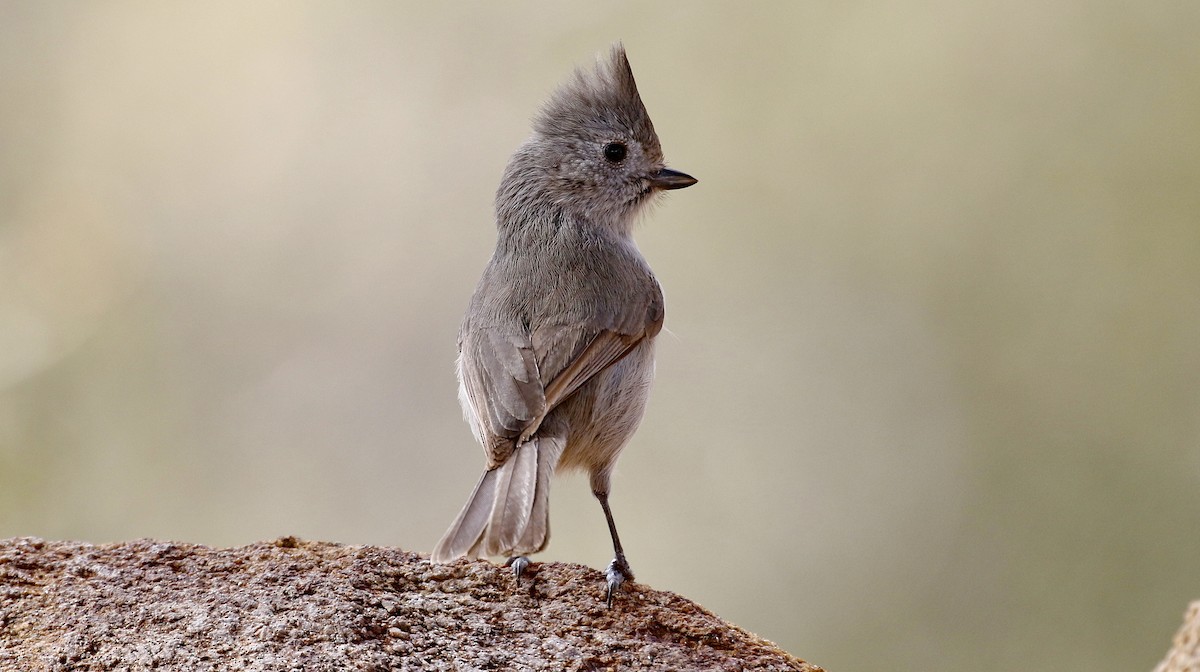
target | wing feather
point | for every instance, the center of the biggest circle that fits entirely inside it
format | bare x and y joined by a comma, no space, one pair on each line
512,376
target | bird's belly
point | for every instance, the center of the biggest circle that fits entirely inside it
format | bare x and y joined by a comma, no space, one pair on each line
602,415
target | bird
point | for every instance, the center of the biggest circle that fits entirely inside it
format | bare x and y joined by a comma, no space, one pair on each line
556,350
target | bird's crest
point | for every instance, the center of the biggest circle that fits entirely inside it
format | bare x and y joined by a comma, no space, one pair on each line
604,95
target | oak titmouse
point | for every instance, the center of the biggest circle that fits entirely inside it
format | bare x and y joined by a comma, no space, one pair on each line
556,352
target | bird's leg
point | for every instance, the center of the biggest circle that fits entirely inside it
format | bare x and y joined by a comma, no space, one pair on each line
519,563
618,571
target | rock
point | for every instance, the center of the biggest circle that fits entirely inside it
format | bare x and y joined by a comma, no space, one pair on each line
1184,655
296,605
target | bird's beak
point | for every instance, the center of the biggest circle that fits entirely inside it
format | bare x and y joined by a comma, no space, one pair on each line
671,179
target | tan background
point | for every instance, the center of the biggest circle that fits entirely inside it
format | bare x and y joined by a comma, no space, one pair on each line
931,393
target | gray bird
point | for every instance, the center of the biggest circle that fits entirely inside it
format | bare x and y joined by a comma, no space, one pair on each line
556,352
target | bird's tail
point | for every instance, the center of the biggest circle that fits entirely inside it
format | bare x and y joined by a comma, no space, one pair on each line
508,514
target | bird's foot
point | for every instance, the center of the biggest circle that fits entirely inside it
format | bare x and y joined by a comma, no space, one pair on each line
618,572
518,563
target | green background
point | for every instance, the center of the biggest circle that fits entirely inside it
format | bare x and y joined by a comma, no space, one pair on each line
930,396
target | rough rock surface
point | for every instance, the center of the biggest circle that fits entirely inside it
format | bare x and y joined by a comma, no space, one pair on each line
1184,655
293,605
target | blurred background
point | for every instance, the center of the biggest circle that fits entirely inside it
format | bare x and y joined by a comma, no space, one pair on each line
930,396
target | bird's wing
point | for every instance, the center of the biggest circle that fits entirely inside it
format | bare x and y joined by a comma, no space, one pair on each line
571,357
513,377
501,384
601,350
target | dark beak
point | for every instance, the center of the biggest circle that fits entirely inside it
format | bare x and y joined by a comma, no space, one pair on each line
671,179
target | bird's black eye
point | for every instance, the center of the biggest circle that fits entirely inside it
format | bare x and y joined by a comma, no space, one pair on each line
614,152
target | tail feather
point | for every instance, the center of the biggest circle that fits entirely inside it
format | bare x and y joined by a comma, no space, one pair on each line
515,488
466,532
537,532
508,514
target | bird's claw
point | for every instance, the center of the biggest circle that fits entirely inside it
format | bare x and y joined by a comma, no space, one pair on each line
518,563
618,572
